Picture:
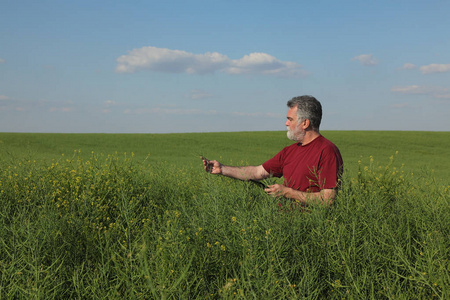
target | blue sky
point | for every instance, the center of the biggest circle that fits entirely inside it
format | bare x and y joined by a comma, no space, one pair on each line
210,66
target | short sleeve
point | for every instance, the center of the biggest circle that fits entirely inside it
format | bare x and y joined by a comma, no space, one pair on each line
274,166
331,168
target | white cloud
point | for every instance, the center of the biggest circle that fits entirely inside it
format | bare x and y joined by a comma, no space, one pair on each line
199,94
178,61
109,103
408,66
170,61
366,59
435,91
263,63
411,89
257,115
443,96
435,68
61,109
2,61
168,111
108,106
21,105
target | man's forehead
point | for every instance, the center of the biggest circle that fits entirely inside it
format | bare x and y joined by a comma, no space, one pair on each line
292,111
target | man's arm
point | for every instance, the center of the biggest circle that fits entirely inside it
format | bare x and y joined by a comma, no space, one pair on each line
242,173
245,173
325,196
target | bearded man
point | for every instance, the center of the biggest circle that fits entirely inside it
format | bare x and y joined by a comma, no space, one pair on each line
311,167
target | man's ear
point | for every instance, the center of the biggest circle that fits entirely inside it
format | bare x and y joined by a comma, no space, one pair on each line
305,124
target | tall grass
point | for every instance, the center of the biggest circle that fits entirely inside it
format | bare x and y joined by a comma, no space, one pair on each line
110,226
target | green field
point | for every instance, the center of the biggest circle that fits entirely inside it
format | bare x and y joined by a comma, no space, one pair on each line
134,216
419,151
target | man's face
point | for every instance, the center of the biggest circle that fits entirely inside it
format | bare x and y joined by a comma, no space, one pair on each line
294,129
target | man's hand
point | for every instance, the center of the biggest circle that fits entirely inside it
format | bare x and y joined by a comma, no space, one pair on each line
325,196
212,166
276,190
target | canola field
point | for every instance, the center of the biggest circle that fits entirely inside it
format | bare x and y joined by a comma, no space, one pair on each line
136,217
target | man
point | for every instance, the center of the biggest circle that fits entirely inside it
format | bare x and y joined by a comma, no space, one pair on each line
311,167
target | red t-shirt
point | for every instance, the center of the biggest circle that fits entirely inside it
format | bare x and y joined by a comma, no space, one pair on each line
310,168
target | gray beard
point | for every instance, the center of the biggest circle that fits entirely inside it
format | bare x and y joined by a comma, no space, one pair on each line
291,135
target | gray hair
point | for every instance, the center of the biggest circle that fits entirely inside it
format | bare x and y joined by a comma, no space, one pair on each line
308,108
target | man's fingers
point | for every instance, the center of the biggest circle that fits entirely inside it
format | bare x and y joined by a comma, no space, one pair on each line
209,167
274,190
269,189
208,164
